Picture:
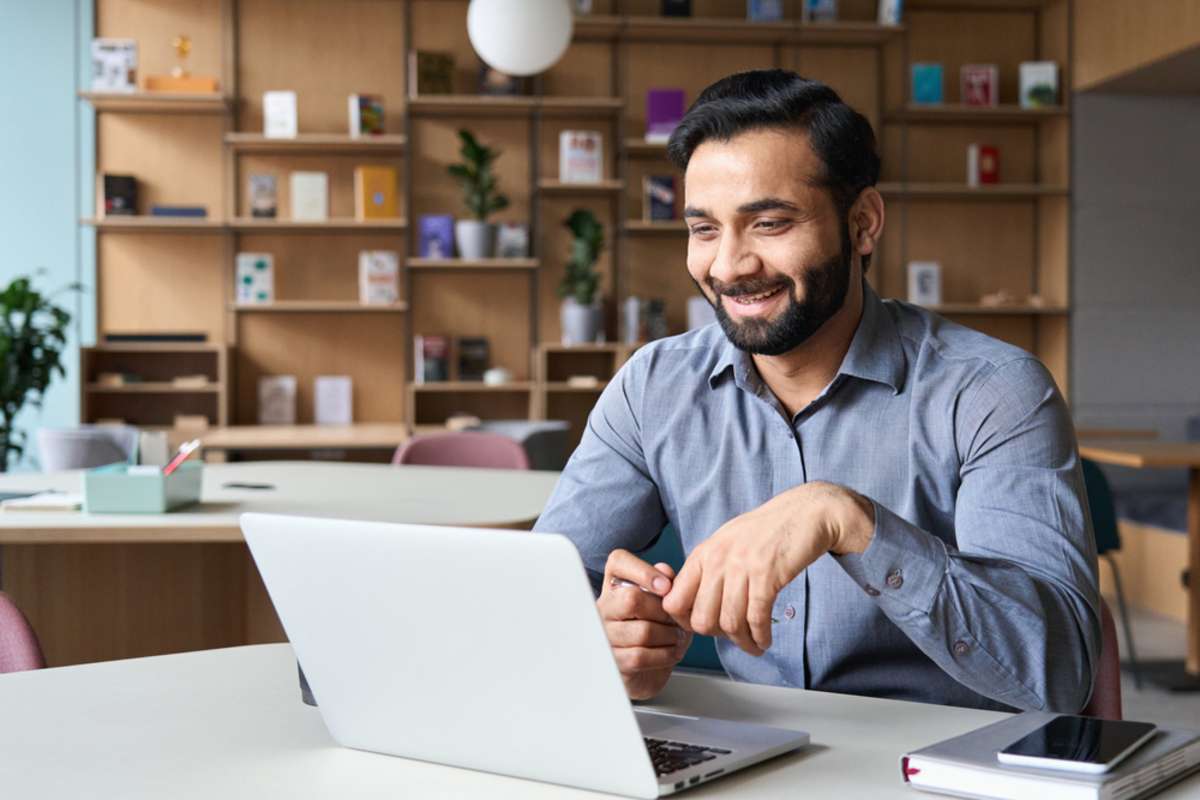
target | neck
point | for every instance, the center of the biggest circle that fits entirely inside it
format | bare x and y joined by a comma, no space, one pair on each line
798,376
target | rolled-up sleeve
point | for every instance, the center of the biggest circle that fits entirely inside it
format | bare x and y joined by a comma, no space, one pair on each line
606,498
1010,608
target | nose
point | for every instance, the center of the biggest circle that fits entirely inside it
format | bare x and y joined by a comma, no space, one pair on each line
733,261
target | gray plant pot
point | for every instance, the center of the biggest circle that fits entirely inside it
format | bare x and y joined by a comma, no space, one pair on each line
581,324
475,239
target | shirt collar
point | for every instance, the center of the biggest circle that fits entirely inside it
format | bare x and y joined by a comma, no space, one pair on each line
875,353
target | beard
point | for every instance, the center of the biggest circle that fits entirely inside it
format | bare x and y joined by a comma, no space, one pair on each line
825,288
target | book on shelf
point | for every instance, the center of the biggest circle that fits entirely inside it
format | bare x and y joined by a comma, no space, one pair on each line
664,110
114,65
983,164
1039,84
277,400
658,198
580,156
435,236
309,196
819,10
474,357
430,73
333,400
925,283
156,338
927,83
264,196
764,10
366,115
279,115
890,12
979,85
120,195
378,277
164,210
254,276
374,193
495,83
190,381
431,359
677,8
512,240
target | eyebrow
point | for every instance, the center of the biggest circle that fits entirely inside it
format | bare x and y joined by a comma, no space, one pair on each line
753,207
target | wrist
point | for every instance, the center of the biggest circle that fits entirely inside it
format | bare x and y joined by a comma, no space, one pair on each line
853,523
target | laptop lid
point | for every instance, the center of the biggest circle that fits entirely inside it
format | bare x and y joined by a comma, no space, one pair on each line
475,648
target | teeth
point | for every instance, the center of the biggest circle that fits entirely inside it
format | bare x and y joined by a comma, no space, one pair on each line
757,297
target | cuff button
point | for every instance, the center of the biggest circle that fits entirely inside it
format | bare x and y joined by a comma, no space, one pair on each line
961,648
871,590
895,579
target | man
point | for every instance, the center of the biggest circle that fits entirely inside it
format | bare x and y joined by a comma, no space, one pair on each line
873,500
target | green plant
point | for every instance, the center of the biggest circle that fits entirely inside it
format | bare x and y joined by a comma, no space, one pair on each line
33,335
581,280
478,181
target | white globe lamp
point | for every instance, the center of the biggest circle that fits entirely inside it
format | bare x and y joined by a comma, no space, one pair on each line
520,37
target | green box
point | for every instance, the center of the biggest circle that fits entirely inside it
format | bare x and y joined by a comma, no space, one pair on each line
111,490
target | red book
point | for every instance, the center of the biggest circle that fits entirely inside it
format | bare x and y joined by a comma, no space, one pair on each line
979,85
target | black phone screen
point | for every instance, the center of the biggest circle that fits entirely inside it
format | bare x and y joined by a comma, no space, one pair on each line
1086,739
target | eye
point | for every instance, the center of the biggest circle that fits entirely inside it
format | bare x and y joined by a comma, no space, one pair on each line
771,224
702,229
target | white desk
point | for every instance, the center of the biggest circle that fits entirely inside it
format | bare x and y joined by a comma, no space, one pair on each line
229,724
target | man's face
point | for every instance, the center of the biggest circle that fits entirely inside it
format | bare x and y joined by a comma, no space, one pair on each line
766,245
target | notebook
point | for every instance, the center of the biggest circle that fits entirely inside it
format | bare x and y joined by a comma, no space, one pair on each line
966,766
44,501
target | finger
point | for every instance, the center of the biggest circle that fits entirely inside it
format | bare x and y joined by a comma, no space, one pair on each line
643,633
630,602
639,659
760,599
706,612
665,569
733,613
678,603
623,565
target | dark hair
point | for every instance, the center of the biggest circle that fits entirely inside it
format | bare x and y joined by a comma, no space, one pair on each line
777,98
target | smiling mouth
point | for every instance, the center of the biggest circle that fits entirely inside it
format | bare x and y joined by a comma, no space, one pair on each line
751,299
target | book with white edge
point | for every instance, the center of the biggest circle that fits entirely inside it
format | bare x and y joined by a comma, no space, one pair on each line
114,65
254,274
967,766
333,400
309,196
378,277
277,400
580,156
890,12
279,115
44,501
1039,84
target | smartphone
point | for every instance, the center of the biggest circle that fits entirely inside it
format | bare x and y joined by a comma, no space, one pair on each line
1079,744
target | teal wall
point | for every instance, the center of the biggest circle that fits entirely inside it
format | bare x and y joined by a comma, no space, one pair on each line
45,150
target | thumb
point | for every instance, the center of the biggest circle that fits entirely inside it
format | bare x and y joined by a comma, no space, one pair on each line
665,569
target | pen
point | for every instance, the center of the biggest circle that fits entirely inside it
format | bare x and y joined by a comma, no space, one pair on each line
619,582
185,450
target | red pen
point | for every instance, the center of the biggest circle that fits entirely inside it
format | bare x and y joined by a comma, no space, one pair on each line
185,450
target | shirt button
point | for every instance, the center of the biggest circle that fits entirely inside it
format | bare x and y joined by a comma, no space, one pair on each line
871,590
961,648
789,612
895,579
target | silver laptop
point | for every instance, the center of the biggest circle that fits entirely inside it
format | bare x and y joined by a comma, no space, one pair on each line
480,649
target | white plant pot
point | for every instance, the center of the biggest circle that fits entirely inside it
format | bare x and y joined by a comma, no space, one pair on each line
581,324
475,239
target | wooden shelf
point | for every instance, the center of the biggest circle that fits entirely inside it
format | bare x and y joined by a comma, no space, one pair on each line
572,188
562,387
957,191
157,102
488,105
480,264
580,106
635,146
978,115
472,386
737,30
592,347
255,224
316,143
974,5
975,309
598,27
637,226
153,387
156,347
317,307
148,224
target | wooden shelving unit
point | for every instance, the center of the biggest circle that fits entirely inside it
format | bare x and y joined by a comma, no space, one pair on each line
452,264
148,224
150,396
157,102
982,115
334,224
316,143
577,189
318,307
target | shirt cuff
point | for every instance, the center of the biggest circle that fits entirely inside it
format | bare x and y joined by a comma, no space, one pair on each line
903,564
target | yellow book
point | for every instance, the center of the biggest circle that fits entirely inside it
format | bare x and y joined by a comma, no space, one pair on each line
374,193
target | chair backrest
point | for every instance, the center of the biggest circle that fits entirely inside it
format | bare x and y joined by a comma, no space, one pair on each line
19,648
1100,502
85,446
1106,694
463,449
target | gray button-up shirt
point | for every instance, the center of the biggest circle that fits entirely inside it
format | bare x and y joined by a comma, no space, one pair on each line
979,588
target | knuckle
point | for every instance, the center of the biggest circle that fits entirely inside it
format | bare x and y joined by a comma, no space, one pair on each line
703,624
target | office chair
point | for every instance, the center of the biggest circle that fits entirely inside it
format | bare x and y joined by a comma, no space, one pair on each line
19,648
1108,540
463,449
1105,702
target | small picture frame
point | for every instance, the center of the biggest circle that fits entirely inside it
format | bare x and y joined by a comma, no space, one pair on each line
925,283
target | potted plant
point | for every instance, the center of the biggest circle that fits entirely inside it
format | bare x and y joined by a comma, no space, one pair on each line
476,238
33,335
581,314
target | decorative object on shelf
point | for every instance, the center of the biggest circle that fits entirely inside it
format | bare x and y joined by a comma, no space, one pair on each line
676,8
581,7
476,238
474,357
374,193
431,359
656,319
633,321
190,381
497,376
120,195
890,12
520,38
927,83
430,73
33,335
114,65
436,232
494,83
580,156
378,277
658,198
925,283
764,10
277,400
366,115
998,299
979,85
279,115
581,315
1039,84
819,11
583,381
333,400
255,278
190,212
462,422
983,164
664,110
309,196
512,240
699,313
181,80
264,196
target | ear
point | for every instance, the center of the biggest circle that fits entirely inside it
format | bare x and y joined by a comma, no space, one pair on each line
866,221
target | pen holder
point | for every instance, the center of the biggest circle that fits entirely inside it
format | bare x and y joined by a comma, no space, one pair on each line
112,490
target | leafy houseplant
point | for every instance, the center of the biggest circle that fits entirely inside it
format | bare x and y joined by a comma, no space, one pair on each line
581,312
476,237
33,335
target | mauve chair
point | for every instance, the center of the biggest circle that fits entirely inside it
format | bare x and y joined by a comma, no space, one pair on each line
463,449
19,648
1106,694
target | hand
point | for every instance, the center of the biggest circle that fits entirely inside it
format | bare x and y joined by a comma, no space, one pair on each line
729,583
646,642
